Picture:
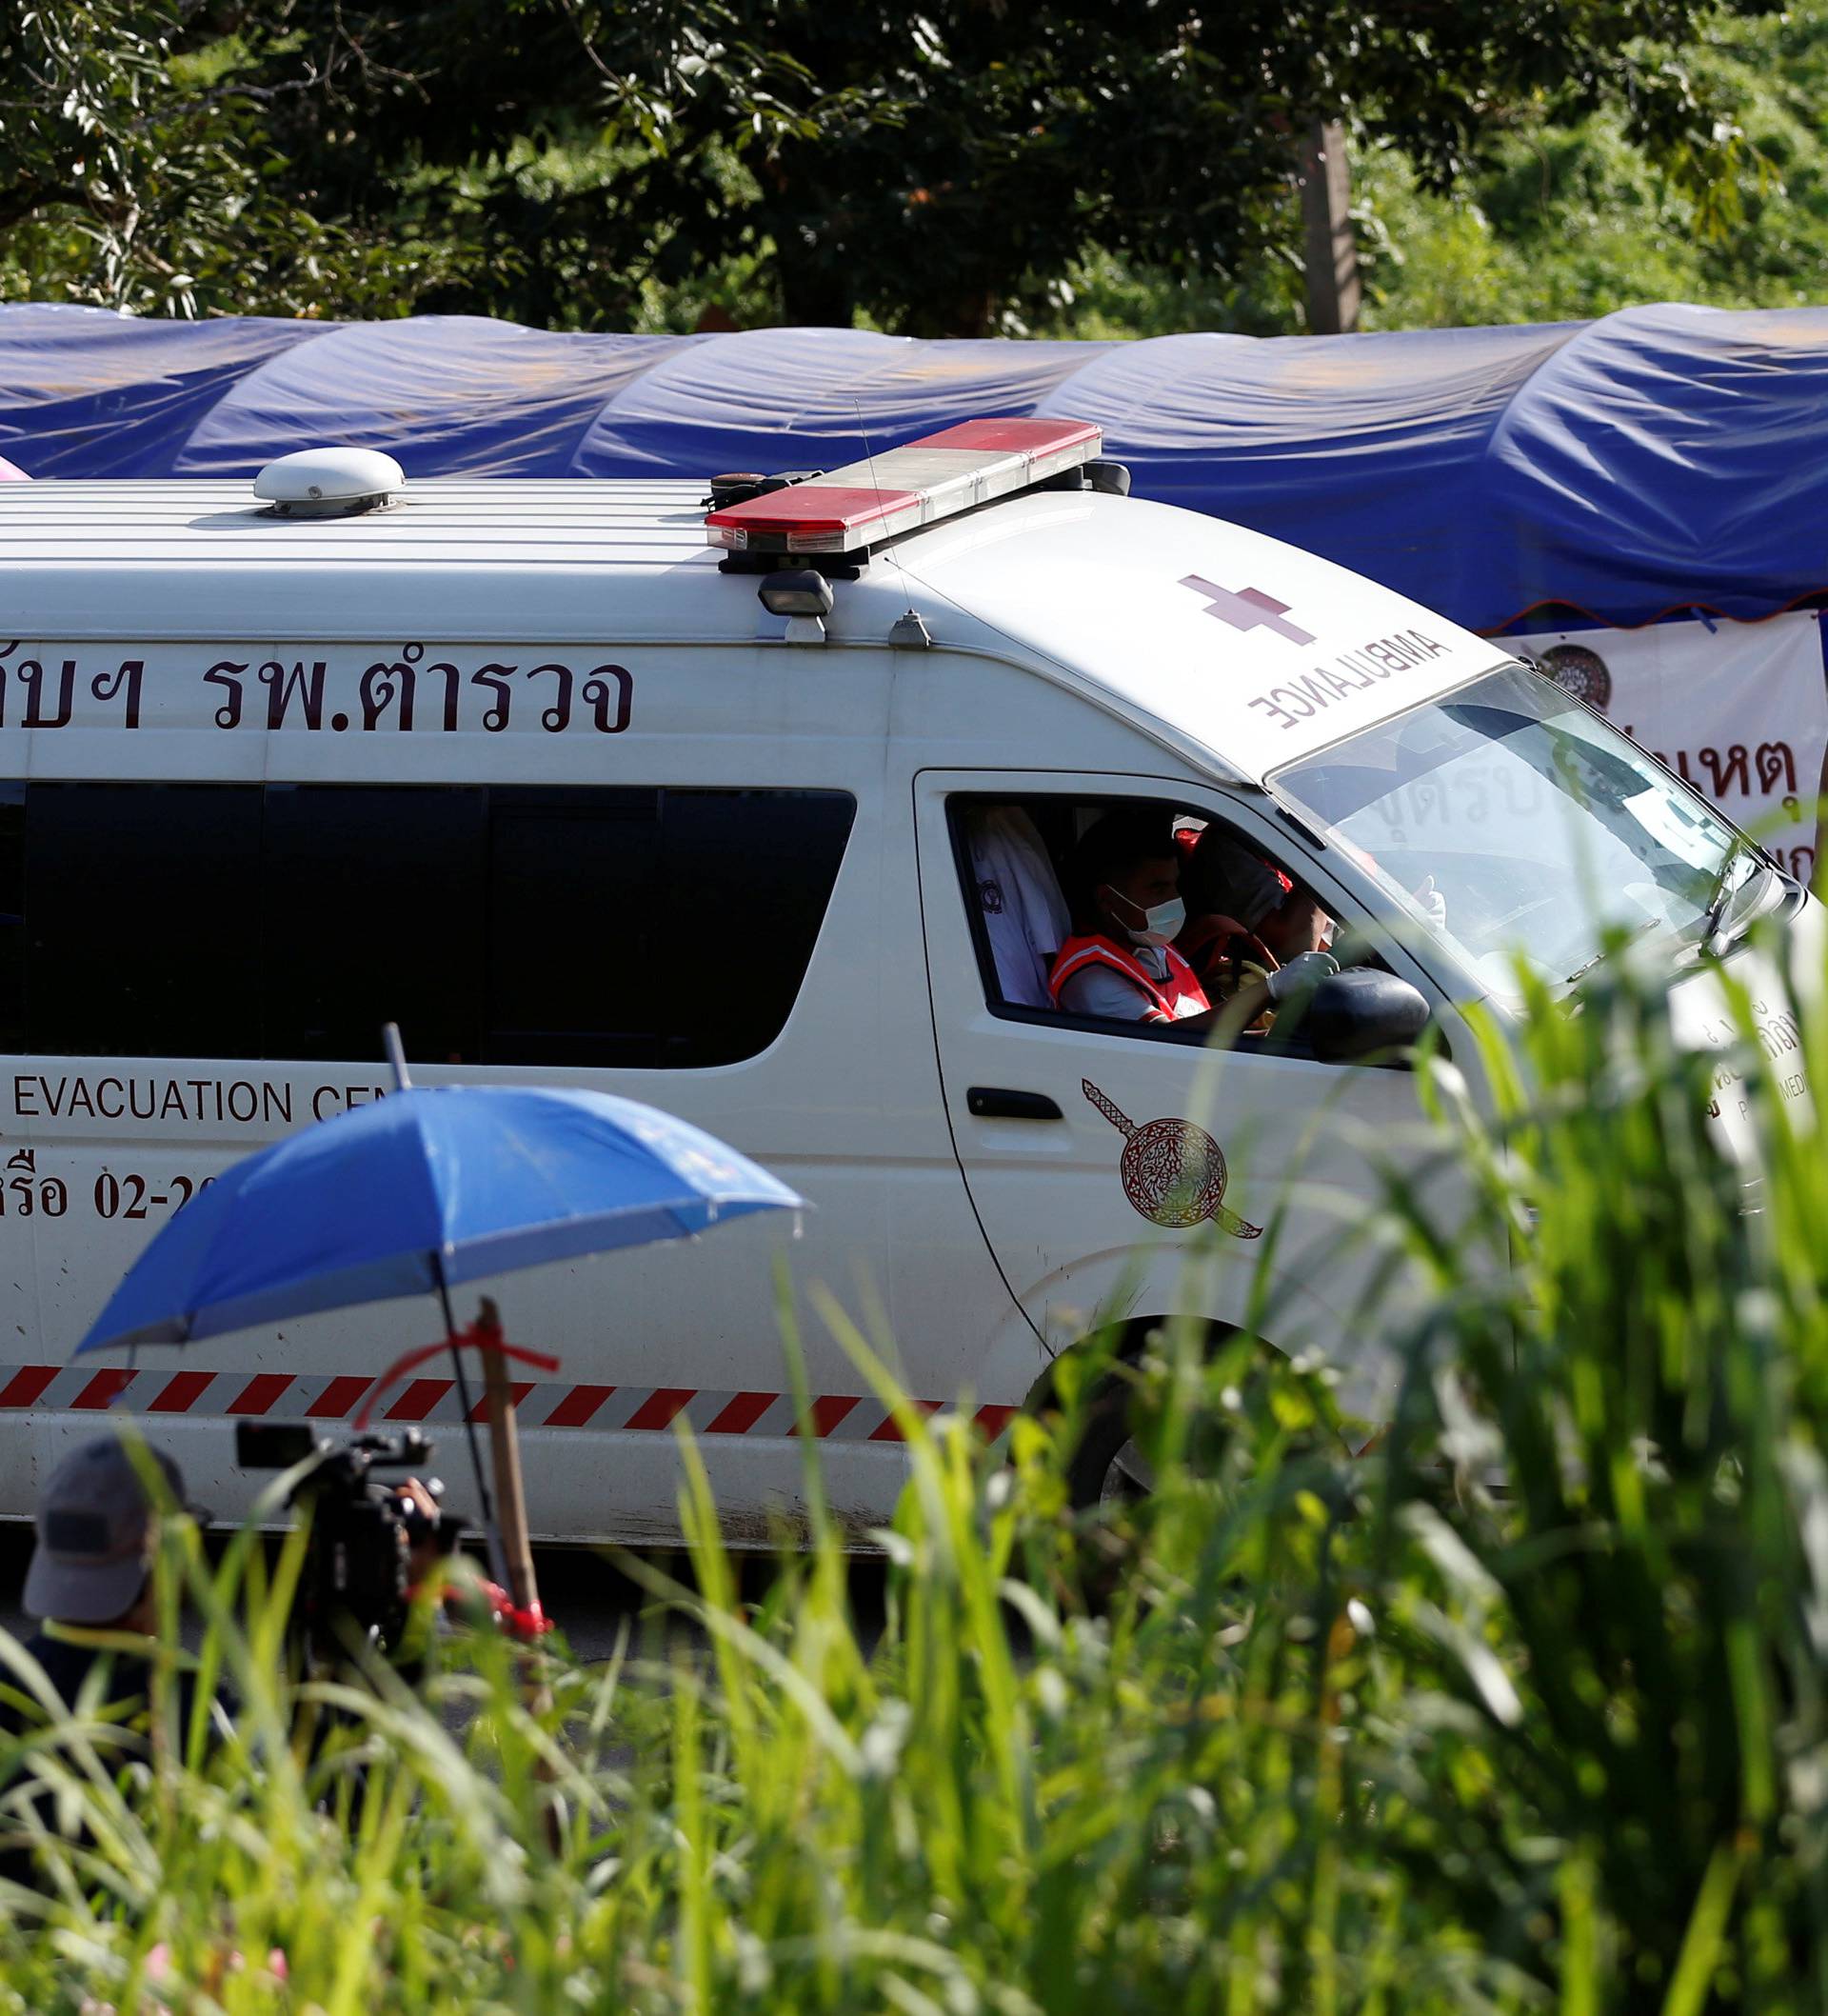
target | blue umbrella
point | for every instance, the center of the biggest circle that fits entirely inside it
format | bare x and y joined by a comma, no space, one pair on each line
420,1191
416,1193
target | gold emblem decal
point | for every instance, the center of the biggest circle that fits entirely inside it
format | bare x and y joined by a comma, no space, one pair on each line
1174,1172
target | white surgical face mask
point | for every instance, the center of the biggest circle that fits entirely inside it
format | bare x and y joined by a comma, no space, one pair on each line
1160,926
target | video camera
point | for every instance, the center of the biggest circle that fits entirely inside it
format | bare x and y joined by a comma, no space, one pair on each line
357,1582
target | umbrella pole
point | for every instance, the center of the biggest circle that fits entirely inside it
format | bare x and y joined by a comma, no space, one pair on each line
505,1448
396,1052
491,1532
505,1451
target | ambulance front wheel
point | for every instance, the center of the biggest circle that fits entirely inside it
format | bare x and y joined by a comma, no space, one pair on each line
1107,1465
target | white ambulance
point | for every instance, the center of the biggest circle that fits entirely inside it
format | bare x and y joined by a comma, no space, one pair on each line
763,808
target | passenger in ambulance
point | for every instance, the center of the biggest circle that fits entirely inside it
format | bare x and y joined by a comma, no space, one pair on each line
1019,896
1122,964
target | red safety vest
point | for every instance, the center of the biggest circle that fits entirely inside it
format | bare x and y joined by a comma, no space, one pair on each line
1176,994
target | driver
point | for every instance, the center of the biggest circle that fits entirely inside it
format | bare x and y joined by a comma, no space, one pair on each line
1223,878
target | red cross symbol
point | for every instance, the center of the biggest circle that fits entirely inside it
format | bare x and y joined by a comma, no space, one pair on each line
1248,609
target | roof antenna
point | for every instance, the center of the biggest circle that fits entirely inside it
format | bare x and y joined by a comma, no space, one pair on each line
907,632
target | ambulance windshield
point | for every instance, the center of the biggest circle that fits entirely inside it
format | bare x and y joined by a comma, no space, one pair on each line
1529,820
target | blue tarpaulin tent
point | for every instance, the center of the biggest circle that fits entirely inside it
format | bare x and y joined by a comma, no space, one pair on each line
1661,457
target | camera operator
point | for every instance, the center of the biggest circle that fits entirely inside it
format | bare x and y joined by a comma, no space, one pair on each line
90,1583
91,1586
91,1580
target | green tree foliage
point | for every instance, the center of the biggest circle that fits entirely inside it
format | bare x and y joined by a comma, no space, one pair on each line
1562,220
1574,221
138,169
603,162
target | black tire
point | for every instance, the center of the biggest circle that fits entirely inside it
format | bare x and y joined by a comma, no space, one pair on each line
1096,1474
1105,1467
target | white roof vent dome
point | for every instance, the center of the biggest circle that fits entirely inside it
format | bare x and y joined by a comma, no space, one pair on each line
328,482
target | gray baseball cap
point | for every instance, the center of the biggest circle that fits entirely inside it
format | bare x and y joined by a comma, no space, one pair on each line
94,1535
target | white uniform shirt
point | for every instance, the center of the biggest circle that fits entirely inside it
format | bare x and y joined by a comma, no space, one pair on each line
1019,893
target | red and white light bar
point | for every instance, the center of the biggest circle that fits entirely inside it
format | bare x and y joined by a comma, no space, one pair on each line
936,477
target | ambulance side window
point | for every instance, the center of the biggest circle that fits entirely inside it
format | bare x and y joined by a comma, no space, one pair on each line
1020,861
143,919
499,924
329,943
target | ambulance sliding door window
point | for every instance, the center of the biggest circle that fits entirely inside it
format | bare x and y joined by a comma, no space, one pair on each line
667,929
523,926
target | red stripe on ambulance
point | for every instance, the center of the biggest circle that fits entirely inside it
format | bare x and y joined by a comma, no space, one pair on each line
106,1388
517,1393
578,1407
658,1410
826,1412
181,1392
337,1401
25,1386
891,1429
742,1414
260,1394
419,1399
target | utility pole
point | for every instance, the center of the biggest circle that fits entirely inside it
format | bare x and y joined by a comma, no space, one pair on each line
1326,228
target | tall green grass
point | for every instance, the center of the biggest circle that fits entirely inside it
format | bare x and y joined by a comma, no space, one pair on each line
1523,1710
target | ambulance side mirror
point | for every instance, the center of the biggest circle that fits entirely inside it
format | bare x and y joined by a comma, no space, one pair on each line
1361,1012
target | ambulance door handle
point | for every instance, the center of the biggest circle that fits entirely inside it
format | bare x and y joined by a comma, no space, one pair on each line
996,1102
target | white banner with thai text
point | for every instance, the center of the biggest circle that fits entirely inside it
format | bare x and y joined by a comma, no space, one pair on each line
1737,709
